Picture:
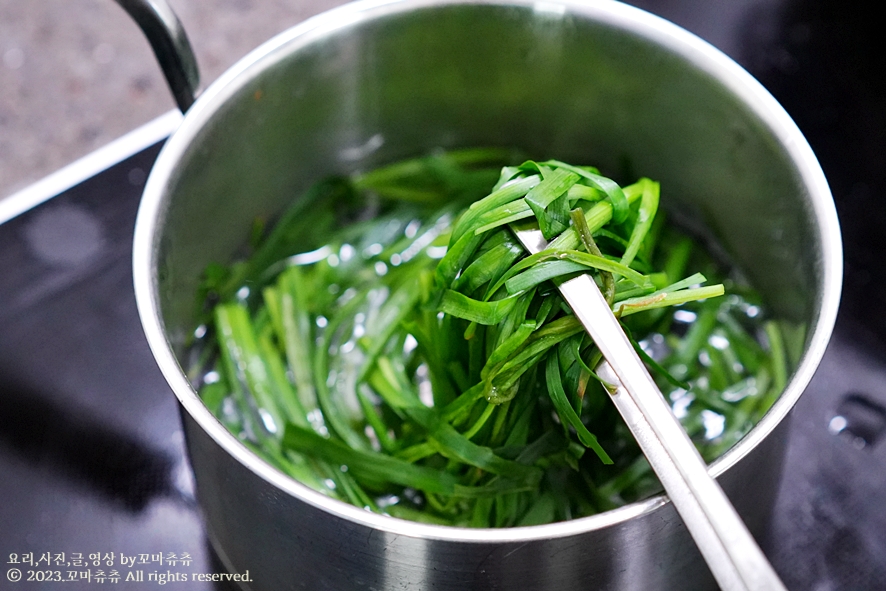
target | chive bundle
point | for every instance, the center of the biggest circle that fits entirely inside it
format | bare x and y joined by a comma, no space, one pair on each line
416,362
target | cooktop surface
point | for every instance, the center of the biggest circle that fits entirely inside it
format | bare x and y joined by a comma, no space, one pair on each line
95,483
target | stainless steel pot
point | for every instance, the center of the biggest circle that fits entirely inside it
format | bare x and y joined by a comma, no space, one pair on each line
375,81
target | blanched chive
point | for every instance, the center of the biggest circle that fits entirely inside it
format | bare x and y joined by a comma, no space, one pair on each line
567,413
296,333
504,215
541,272
385,381
549,202
481,422
513,342
645,216
604,264
462,374
596,217
368,464
458,407
290,405
334,411
696,337
666,299
461,306
489,266
374,421
587,239
387,320
241,344
613,191
452,444
514,189
777,354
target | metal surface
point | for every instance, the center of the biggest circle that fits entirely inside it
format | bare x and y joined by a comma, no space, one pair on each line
375,81
170,45
729,550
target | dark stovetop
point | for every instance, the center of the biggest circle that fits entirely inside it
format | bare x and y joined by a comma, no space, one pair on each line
91,449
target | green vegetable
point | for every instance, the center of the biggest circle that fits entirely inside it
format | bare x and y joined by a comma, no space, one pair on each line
390,344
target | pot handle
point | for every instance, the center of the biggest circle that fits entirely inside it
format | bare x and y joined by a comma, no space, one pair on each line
171,46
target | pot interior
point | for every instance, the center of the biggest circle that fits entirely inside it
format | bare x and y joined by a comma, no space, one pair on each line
578,84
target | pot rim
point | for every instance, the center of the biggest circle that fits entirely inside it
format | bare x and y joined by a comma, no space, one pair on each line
699,53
